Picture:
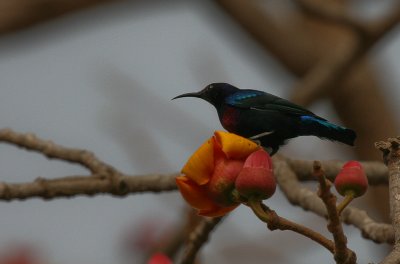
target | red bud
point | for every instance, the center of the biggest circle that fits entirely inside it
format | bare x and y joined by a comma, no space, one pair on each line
258,159
352,164
256,179
222,182
159,258
351,178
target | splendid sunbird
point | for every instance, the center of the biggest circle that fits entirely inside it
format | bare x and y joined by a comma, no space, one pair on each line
267,118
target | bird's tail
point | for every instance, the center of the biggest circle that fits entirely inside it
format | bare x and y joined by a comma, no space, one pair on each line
321,128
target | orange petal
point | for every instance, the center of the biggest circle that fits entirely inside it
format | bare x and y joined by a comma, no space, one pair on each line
194,194
217,211
234,146
200,165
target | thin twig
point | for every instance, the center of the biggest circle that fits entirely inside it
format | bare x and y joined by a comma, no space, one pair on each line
172,241
342,254
376,172
30,142
274,221
198,238
309,201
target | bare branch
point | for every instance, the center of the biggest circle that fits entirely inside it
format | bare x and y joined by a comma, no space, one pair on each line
110,181
119,185
391,152
308,200
377,172
46,147
342,254
198,238
377,232
274,221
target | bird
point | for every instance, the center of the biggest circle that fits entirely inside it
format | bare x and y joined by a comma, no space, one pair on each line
267,119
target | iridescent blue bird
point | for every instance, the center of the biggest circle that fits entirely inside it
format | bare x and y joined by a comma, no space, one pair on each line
267,118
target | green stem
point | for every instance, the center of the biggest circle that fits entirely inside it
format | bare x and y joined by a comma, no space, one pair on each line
346,200
255,205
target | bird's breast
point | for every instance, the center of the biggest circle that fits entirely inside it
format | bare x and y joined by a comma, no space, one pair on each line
229,117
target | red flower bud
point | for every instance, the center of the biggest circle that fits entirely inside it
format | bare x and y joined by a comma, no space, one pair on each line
351,178
256,180
222,181
159,258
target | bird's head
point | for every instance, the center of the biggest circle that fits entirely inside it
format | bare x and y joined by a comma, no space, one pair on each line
214,93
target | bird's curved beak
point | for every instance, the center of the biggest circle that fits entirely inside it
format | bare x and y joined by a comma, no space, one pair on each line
198,95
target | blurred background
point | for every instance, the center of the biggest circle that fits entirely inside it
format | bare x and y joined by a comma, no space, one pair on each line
100,75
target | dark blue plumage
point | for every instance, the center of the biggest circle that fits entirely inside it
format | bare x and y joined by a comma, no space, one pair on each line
267,118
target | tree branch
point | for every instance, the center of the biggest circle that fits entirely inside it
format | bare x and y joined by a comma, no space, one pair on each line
391,156
110,181
377,232
198,238
334,67
342,254
46,147
332,12
359,90
118,185
104,178
274,221
377,172
309,201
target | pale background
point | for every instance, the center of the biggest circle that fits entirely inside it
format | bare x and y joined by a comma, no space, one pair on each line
102,79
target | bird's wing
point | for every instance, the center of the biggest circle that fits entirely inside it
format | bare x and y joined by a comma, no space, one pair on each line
258,100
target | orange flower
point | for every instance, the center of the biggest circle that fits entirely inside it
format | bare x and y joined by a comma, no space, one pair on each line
209,175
